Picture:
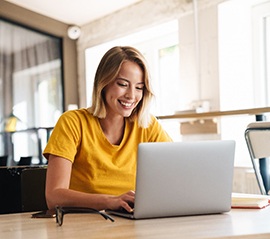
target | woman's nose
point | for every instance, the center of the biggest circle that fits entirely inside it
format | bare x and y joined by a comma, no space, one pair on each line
130,94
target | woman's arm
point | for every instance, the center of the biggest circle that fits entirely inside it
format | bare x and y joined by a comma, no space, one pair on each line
58,192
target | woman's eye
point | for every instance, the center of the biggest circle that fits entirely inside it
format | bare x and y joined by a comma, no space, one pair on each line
122,84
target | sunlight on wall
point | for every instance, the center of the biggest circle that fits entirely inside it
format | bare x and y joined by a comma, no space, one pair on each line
240,88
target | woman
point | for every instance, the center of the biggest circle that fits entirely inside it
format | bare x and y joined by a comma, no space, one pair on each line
92,152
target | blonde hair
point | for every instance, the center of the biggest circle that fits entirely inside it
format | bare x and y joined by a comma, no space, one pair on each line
107,71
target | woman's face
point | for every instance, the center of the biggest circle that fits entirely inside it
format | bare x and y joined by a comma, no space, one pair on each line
125,92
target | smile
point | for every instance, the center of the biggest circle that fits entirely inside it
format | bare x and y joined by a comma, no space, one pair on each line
126,104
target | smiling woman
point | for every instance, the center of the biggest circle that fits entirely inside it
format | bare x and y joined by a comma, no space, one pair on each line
92,152
116,64
124,94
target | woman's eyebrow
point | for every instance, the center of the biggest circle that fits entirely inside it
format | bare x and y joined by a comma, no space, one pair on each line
124,79
140,83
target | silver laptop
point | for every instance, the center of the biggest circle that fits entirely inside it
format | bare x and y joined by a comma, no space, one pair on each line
183,178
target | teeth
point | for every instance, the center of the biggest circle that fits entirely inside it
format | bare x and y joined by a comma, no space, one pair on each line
126,104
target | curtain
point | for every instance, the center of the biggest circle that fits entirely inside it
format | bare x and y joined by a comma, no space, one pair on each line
31,86
25,56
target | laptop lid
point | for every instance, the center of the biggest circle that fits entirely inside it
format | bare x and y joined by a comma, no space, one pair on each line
184,178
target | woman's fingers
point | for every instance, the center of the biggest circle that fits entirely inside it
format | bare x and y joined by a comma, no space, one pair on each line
127,200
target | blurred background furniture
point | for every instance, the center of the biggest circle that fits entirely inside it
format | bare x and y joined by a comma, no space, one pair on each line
25,161
24,143
3,160
22,189
257,137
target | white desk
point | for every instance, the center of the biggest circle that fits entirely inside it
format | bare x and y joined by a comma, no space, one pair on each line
239,223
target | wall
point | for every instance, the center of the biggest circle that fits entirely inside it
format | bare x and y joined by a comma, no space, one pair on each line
245,181
148,13
53,27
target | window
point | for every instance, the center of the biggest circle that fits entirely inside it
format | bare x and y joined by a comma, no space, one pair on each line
31,88
167,90
261,52
243,61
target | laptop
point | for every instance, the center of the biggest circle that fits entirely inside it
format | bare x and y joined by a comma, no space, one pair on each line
183,178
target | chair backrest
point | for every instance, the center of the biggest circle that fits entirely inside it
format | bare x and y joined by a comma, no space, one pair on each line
3,160
257,137
25,161
22,189
33,189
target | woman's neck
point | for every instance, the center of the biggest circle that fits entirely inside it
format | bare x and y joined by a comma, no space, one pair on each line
113,129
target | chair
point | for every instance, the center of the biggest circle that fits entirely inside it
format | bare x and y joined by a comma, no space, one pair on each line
3,160
22,189
33,182
257,136
25,161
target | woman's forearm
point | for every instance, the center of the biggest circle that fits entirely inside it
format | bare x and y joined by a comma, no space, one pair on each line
68,197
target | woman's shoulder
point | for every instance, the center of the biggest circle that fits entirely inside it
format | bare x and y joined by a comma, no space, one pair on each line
153,122
77,116
78,113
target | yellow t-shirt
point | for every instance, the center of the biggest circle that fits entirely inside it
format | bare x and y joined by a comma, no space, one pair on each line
97,165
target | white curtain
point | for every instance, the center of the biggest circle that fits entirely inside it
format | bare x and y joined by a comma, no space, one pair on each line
25,56
30,87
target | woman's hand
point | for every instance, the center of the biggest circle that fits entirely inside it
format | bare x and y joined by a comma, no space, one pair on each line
58,192
125,201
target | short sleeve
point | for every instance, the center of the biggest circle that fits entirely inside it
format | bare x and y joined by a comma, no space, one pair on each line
156,133
65,137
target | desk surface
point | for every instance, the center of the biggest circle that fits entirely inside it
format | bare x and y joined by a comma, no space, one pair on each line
239,223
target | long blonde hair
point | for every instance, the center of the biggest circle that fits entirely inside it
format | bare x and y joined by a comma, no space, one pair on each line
107,71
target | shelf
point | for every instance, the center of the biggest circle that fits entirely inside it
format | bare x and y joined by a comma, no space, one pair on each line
211,114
